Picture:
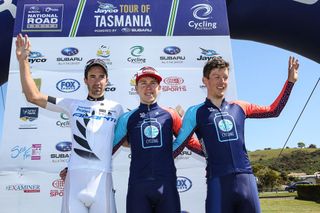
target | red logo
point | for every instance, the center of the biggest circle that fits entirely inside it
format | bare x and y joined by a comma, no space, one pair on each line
58,184
173,80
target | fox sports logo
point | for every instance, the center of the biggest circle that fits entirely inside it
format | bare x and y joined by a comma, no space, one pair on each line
68,85
183,184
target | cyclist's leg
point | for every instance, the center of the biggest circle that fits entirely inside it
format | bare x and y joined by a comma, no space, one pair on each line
220,194
74,183
248,191
104,201
137,198
169,201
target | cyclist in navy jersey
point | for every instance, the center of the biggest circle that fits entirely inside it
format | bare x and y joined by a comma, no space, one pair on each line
88,186
219,125
149,130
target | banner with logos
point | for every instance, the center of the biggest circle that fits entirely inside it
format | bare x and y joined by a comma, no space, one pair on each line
175,37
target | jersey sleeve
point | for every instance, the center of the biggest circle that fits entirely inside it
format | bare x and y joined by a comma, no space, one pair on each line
120,133
120,110
176,119
185,136
59,104
274,110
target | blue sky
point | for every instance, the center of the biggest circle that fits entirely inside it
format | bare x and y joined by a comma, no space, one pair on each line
261,71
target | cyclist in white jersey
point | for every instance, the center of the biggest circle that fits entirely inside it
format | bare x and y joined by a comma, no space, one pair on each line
88,185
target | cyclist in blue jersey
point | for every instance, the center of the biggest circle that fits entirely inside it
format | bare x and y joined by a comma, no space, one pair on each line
219,125
149,130
88,186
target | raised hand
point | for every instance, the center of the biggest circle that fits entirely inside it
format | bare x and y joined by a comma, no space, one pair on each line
293,69
23,47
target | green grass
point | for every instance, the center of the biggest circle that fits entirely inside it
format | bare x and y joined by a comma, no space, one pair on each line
279,194
275,205
273,153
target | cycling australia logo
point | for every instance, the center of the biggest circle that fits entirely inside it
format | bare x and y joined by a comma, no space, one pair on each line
69,56
136,55
183,184
207,54
68,85
64,121
172,56
202,14
28,115
173,84
36,57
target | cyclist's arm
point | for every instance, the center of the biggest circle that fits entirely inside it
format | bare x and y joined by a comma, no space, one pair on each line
31,91
185,136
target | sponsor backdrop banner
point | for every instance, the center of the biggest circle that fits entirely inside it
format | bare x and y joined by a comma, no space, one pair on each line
176,37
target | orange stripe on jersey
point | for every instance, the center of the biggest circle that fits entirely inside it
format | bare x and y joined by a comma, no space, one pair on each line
274,110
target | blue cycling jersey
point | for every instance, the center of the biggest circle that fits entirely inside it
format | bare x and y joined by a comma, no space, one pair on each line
149,129
221,131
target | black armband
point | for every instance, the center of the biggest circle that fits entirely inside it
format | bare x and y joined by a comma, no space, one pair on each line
52,100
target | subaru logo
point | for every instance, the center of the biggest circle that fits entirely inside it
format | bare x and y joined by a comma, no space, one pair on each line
34,8
70,51
64,146
68,85
172,50
126,30
202,11
183,184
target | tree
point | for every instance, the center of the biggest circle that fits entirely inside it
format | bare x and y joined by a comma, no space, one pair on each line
312,146
301,144
267,178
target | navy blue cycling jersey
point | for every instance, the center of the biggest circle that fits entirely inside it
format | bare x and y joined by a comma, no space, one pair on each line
149,129
221,131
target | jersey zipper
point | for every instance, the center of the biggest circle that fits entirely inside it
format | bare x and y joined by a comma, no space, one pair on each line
229,143
152,154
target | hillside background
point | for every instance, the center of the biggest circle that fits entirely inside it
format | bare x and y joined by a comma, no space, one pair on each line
292,160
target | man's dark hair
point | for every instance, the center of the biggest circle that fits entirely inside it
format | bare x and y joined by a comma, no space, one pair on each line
215,62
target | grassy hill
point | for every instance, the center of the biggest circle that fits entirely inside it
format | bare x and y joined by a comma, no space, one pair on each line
305,160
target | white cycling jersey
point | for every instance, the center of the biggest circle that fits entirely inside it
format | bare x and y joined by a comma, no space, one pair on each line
92,125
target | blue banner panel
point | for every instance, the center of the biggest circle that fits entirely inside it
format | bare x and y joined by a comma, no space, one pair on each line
125,18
